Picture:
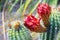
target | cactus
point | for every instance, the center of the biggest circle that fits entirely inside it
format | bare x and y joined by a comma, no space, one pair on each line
30,6
18,34
54,26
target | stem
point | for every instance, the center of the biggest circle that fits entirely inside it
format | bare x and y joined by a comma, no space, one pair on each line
13,5
25,6
32,10
20,9
3,25
21,3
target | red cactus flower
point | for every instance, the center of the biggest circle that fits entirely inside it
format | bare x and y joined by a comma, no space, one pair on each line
33,24
44,11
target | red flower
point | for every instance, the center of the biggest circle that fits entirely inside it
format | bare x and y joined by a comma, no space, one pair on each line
32,23
44,11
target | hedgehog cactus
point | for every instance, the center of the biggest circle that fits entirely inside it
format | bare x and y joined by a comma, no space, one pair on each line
54,26
17,31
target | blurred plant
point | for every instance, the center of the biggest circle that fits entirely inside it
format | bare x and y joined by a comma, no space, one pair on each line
28,5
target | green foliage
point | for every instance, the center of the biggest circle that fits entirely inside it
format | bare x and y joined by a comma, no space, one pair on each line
53,2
